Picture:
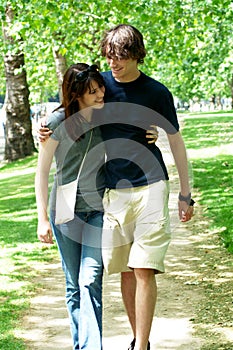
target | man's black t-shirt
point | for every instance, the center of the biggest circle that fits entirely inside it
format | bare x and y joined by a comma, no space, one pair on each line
130,109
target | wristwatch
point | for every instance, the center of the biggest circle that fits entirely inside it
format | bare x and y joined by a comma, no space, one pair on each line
186,199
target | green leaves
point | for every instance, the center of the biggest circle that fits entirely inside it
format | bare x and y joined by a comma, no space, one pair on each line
187,41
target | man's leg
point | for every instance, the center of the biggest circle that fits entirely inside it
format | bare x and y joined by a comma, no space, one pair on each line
128,290
139,293
145,300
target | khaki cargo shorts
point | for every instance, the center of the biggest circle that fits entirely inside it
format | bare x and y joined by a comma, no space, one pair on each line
136,231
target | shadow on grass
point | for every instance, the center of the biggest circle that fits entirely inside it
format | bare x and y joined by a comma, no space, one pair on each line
23,257
14,232
19,279
17,208
213,177
9,342
203,131
223,346
13,304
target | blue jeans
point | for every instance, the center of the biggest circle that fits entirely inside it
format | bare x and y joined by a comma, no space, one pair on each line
79,243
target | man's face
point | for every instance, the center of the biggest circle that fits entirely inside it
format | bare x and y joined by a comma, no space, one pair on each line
124,70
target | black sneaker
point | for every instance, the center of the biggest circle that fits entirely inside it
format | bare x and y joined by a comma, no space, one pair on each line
132,345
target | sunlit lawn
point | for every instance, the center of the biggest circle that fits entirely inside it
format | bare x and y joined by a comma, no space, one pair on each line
22,256
210,136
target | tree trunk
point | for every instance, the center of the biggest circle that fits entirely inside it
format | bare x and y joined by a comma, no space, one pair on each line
232,91
61,66
19,139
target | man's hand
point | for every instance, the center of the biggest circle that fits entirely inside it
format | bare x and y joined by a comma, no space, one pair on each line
152,134
186,211
43,132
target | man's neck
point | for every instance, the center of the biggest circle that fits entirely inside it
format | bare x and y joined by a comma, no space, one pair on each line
129,78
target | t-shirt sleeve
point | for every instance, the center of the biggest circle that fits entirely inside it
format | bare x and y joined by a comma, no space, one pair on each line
169,120
54,122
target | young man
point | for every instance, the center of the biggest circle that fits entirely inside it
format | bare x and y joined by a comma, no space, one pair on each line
136,224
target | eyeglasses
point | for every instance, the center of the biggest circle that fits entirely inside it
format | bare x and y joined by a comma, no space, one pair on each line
82,76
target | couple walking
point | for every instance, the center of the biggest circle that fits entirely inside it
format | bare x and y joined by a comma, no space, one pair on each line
121,216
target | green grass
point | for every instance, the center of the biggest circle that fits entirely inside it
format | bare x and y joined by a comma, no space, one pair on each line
212,135
21,253
207,130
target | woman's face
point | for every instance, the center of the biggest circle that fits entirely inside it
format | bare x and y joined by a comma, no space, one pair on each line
92,98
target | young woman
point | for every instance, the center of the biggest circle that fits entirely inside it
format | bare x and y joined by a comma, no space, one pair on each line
79,240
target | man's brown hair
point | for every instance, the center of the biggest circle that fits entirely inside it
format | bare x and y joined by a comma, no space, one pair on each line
123,42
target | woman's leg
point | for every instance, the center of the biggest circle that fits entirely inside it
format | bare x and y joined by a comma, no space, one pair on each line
70,252
90,281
